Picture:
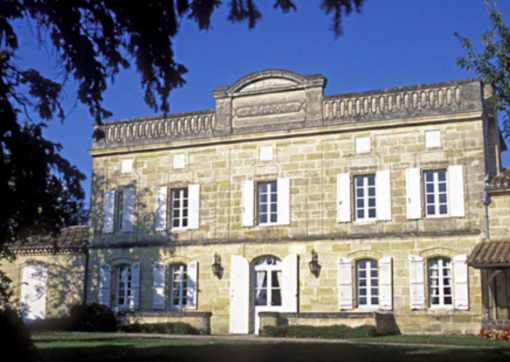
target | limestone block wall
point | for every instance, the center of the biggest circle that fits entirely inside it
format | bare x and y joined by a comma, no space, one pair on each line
311,163
65,280
499,217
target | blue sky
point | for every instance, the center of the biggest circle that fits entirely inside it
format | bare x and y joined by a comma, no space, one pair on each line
391,43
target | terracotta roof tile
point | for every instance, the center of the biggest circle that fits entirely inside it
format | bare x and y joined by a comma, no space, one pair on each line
490,254
501,180
73,237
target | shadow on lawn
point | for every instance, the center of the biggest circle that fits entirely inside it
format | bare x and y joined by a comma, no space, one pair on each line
315,352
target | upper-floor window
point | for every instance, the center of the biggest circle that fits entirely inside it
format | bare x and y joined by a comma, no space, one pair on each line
436,193
367,276
364,195
267,203
440,282
180,208
179,287
119,209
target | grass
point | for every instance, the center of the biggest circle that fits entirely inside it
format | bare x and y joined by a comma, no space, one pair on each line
466,341
97,347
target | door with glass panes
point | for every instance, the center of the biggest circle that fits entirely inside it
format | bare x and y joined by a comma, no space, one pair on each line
267,292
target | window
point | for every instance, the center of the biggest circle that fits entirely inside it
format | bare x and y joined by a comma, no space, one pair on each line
268,275
367,276
436,193
124,286
440,282
179,286
180,208
120,208
267,203
364,194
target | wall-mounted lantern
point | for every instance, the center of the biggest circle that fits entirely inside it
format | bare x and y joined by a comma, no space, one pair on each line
314,264
216,267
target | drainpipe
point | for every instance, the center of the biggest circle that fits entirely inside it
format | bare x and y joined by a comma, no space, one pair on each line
486,202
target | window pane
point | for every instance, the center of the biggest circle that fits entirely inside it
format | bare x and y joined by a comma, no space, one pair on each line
363,301
263,218
263,198
359,181
374,291
371,180
371,202
362,274
371,191
273,207
276,297
375,300
430,199
431,210
273,186
360,203
263,208
362,264
430,187
371,213
363,292
373,273
448,300
274,217
273,197
361,214
442,187
442,198
261,297
429,176
359,192
441,176
263,187
362,282
443,210
275,279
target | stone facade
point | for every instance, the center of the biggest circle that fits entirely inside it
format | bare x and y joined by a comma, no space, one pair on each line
276,128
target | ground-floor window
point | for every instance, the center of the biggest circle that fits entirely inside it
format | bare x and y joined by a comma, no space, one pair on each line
268,275
179,287
124,286
367,278
440,282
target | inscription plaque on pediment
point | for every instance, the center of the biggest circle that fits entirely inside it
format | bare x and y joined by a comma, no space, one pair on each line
269,108
268,84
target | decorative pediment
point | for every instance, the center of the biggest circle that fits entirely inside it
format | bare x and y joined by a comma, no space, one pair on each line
268,84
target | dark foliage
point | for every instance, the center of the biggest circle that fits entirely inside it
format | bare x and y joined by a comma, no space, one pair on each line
167,328
330,332
493,63
92,40
93,317
15,343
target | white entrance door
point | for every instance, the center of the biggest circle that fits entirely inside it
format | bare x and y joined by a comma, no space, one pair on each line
267,288
33,292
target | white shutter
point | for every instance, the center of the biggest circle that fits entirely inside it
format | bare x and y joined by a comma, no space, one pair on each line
417,282
283,201
344,283
158,287
239,295
194,206
134,302
128,209
33,292
192,291
248,203
290,283
456,188
461,286
161,208
386,282
105,284
383,195
413,193
109,210
343,197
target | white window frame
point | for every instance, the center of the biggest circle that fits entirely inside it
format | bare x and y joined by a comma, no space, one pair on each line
268,265
435,193
272,200
183,198
441,285
127,291
369,285
179,284
365,198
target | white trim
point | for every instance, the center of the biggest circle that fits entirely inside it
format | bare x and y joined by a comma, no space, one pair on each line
178,290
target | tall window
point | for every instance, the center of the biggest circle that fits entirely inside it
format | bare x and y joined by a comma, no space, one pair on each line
179,286
440,282
124,286
268,274
180,208
367,283
436,197
364,194
267,203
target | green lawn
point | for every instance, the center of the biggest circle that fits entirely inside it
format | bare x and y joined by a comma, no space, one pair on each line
84,347
467,341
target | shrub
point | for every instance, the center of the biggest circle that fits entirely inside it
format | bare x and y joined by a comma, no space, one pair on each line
168,328
330,332
51,324
16,342
93,317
